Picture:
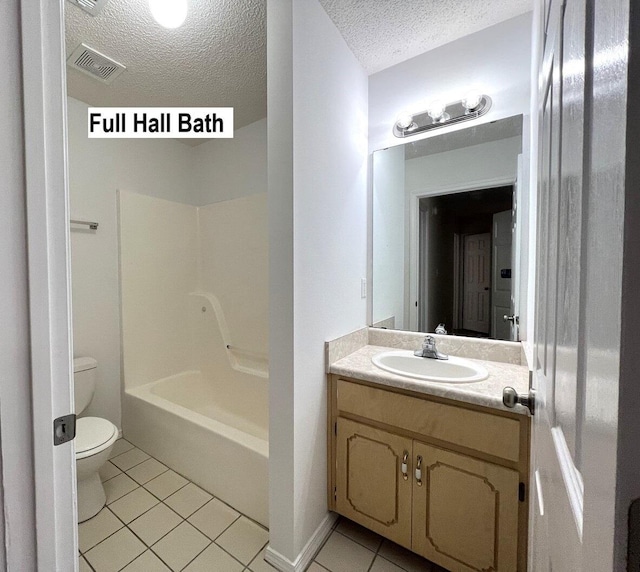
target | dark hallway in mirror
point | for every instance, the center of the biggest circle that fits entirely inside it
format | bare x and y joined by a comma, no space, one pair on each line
465,262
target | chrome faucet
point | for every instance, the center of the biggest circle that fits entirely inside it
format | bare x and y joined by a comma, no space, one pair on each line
429,349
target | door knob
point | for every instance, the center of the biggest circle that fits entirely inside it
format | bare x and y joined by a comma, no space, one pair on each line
513,319
511,398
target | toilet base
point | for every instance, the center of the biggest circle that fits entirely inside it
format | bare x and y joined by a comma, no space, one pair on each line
91,497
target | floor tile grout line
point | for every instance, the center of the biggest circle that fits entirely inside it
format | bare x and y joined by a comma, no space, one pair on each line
236,559
173,493
87,562
133,466
161,537
106,537
356,541
167,564
219,535
186,485
141,555
167,469
109,503
396,563
199,553
129,493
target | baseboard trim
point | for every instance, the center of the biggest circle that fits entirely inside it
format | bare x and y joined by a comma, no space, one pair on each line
305,557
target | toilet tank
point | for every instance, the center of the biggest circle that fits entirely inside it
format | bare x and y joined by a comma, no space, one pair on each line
84,382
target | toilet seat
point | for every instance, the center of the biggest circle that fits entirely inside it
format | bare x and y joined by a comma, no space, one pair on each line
93,435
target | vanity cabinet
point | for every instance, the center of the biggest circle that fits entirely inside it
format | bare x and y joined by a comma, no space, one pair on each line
444,479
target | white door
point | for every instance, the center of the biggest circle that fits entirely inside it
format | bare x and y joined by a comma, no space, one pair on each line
516,251
501,276
43,75
558,522
575,369
476,282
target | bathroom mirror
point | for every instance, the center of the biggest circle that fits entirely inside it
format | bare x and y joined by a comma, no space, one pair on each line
447,241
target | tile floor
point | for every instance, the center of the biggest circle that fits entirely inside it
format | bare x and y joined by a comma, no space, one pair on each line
156,520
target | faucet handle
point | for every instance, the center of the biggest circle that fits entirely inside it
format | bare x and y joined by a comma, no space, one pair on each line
428,341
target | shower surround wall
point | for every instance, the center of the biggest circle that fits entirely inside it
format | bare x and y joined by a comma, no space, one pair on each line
193,282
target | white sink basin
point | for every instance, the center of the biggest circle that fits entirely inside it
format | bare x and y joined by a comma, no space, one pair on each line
453,370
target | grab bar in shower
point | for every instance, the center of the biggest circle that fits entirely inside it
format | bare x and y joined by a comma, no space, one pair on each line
246,352
92,225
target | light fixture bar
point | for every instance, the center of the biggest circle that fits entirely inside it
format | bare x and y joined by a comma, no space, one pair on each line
453,113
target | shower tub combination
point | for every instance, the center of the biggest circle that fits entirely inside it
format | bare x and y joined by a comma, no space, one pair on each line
210,424
195,389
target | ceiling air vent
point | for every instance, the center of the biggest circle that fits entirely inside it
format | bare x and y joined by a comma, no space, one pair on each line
91,6
95,64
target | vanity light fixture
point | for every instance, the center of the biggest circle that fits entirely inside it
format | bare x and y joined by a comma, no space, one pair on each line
439,114
169,13
437,111
472,100
405,121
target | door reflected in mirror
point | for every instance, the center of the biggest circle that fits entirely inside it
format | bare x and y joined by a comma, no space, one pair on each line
447,244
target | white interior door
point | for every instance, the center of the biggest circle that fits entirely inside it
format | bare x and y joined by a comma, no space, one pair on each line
572,444
477,282
517,224
47,214
501,276
558,515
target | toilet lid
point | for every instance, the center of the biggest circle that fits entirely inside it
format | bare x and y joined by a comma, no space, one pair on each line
92,432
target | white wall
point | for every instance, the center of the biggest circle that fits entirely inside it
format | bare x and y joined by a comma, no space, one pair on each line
280,192
321,219
163,168
388,235
495,61
231,168
484,162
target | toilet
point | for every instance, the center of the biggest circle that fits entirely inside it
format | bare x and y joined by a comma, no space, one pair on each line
94,440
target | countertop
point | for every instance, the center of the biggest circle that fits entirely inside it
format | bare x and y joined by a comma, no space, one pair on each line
487,393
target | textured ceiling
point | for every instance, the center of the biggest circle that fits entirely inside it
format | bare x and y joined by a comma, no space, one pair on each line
382,33
473,135
217,58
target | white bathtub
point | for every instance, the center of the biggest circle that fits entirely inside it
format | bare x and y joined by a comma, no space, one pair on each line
215,434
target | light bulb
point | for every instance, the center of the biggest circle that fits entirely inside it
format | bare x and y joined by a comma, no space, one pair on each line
472,100
436,109
404,120
169,13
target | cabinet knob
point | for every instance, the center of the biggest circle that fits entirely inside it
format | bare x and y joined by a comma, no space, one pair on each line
405,470
419,471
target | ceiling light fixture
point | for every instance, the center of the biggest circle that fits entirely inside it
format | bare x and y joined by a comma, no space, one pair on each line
169,13
439,114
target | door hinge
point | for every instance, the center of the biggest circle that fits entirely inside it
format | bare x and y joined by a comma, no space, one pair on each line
521,492
64,429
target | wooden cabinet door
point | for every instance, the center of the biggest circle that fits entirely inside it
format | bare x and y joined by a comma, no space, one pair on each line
370,486
465,512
